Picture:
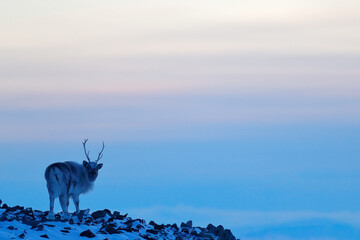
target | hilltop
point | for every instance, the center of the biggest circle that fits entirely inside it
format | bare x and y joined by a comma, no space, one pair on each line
25,223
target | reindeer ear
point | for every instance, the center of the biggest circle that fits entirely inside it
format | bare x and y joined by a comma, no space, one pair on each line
85,163
99,166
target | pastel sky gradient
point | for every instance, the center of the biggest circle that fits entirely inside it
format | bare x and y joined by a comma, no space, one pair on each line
242,110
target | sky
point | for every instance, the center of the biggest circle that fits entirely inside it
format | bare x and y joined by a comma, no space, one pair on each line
240,113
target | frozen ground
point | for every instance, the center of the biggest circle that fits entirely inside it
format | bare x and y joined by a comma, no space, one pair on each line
25,223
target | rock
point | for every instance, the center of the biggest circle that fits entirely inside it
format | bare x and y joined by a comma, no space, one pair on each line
110,229
14,209
142,221
4,206
27,211
3,218
125,229
157,226
217,231
101,213
129,223
227,235
40,228
220,232
49,225
152,231
105,222
174,226
82,214
147,237
211,228
118,216
185,230
32,223
88,234
194,233
188,224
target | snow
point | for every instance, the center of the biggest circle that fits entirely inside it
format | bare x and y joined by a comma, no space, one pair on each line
21,223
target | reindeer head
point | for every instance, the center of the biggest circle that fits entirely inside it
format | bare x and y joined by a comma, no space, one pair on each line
92,167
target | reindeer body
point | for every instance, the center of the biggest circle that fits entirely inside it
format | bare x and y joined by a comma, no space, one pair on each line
70,179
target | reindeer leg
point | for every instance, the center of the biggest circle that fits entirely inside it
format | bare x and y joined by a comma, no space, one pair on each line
51,213
76,203
64,199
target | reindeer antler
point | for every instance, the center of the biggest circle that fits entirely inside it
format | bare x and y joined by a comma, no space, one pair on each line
100,153
86,153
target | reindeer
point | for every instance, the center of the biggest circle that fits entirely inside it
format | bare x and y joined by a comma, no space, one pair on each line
70,179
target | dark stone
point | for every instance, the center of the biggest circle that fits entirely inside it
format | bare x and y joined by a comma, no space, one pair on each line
139,226
88,234
5,206
227,235
101,213
152,231
185,230
147,237
189,223
157,226
81,215
27,211
49,225
13,209
67,228
22,236
3,218
206,235
185,225
175,226
88,221
194,233
40,227
11,228
110,229
32,223
220,232
44,236
219,229
117,215
140,220
64,231
129,223
211,228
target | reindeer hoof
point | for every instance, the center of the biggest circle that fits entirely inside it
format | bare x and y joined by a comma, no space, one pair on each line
65,216
50,216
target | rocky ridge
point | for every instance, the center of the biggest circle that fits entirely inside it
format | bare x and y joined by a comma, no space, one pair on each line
25,223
